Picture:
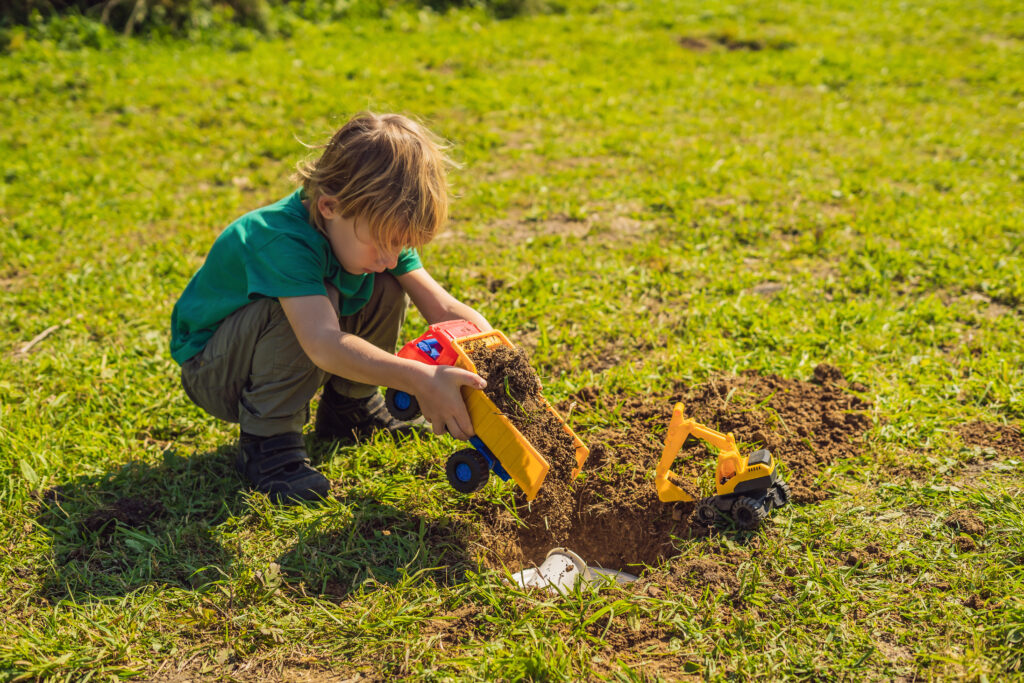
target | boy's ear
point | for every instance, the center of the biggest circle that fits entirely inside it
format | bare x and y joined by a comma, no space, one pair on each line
327,206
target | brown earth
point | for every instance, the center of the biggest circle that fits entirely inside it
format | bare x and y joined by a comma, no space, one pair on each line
612,516
968,527
966,522
130,512
866,555
1007,440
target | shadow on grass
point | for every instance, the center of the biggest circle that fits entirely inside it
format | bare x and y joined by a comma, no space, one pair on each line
140,525
148,525
377,544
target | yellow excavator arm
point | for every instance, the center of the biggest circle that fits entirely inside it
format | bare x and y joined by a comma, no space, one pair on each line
679,429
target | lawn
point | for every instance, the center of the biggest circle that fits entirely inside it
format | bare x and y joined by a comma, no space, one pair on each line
656,200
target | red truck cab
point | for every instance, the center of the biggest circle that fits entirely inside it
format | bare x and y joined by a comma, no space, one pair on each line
435,345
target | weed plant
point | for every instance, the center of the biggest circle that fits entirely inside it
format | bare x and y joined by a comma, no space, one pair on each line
651,193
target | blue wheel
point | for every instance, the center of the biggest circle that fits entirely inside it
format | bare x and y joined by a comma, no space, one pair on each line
401,405
463,472
467,470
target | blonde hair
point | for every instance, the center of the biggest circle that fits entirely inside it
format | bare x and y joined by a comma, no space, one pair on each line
386,169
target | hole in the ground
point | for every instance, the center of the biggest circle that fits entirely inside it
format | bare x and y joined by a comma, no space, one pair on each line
609,536
615,519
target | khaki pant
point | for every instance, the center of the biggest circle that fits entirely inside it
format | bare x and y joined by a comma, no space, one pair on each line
253,371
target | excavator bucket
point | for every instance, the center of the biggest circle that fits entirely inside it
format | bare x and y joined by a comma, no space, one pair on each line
679,429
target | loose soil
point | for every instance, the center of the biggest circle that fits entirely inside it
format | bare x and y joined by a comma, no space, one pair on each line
1005,439
130,512
866,555
966,522
612,516
515,389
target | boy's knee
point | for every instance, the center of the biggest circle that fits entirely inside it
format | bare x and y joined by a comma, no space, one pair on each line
209,386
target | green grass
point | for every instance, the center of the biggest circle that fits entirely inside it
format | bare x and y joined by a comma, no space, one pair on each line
630,192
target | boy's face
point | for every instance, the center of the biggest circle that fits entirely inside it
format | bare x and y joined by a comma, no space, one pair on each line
352,246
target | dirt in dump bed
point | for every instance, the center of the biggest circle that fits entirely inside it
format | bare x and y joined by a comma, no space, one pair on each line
613,518
515,389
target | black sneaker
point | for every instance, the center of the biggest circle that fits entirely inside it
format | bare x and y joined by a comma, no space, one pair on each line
279,467
340,418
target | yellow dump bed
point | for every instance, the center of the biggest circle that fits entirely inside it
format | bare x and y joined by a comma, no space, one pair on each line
524,464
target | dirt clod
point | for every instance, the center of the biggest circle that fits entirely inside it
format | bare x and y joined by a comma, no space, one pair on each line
966,522
130,512
825,374
873,551
965,544
974,601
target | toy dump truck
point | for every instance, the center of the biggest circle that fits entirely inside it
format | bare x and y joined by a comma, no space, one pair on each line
747,488
498,446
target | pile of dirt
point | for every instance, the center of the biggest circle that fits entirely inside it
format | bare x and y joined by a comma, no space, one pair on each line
612,516
866,555
968,528
806,425
966,522
1005,439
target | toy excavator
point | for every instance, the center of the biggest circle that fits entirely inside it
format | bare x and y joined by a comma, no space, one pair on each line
747,488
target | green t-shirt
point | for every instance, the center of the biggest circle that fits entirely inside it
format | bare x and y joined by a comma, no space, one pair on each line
271,252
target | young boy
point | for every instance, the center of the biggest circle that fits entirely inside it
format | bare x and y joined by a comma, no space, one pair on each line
312,291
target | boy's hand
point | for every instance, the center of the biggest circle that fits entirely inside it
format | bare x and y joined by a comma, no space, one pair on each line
441,400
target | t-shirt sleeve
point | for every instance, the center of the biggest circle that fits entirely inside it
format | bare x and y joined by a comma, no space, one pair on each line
285,266
408,260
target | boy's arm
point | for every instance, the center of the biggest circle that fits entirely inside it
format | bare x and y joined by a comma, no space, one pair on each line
436,387
435,303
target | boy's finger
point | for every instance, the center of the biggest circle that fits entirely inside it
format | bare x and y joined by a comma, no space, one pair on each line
471,379
464,424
